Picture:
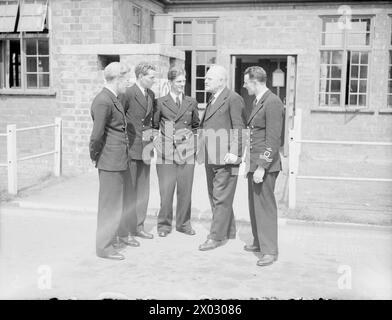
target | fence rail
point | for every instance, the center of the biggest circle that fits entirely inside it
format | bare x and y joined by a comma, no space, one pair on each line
12,159
295,143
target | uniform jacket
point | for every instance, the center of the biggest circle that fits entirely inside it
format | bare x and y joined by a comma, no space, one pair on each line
109,140
139,115
178,126
265,128
221,117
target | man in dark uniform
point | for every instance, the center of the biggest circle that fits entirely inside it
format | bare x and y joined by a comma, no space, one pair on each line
138,102
222,124
177,117
265,124
109,151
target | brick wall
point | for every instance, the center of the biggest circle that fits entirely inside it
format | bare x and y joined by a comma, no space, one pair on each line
263,30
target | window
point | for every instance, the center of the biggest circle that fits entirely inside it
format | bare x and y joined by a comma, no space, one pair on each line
389,100
152,38
344,62
197,37
137,25
24,57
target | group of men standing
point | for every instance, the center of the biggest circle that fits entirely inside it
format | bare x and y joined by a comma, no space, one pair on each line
129,125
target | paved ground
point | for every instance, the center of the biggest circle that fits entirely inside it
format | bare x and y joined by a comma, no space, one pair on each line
46,254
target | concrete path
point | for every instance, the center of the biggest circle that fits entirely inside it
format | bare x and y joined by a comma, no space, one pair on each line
45,254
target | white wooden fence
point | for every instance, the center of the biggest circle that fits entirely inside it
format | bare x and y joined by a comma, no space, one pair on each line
12,159
295,142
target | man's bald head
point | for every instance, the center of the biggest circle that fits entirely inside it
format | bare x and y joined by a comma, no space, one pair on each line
216,78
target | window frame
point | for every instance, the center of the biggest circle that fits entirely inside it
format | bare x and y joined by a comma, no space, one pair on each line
137,24
194,48
389,73
345,76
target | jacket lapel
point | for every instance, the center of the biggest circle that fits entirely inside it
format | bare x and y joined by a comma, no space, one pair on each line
149,102
258,106
170,104
139,97
116,102
220,101
184,106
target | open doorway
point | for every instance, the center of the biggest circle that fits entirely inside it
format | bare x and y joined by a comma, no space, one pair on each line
283,87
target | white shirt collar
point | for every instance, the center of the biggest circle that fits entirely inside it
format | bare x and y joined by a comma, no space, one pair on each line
112,91
141,88
174,96
260,95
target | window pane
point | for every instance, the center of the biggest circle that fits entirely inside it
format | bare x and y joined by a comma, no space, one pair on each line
31,47
43,80
323,99
362,100
211,57
355,57
331,25
31,81
31,64
335,85
332,39
336,72
43,64
186,40
364,57
353,86
324,85
205,40
200,57
354,72
363,72
324,69
43,47
362,86
178,27
389,100
337,57
325,56
205,26
200,97
187,27
390,86
334,100
353,100
358,39
200,71
199,84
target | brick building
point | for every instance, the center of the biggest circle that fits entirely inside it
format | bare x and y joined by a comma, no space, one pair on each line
330,59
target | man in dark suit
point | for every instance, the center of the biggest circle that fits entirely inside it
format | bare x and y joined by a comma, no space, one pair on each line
138,102
265,124
222,124
177,117
109,151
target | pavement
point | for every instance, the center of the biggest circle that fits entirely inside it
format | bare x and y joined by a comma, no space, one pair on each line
47,250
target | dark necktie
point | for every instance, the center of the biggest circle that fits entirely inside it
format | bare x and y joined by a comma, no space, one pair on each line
178,102
209,104
146,94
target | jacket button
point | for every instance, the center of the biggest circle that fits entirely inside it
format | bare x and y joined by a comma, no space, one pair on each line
251,147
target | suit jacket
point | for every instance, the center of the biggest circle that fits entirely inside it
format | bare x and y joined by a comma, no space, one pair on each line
218,121
139,115
178,127
265,128
109,140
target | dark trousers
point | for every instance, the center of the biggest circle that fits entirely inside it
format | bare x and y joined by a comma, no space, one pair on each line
170,176
115,216
263,213
140,192
221,183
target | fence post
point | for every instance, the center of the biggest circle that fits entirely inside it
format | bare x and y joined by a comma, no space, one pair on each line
12,161
292,170
57,147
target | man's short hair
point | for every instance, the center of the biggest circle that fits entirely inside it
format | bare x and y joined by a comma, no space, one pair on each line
143,68
256,73
115,70
174,72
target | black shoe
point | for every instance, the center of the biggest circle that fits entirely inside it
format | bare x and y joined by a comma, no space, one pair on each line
189,232
163,233
144,234
210,244
267,260
130,241
113,256
251,248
